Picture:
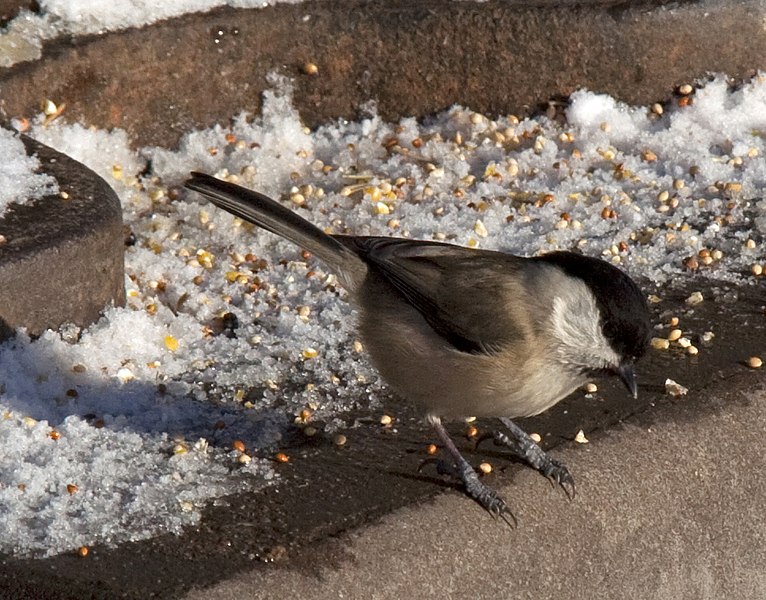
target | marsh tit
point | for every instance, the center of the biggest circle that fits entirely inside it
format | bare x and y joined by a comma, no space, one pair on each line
467,332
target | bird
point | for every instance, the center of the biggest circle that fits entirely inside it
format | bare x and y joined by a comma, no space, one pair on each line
465,332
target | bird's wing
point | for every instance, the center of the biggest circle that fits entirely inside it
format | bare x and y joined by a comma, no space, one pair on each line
472,298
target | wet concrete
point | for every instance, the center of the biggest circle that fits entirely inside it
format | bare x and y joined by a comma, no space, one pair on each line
335,505
62,261
411,58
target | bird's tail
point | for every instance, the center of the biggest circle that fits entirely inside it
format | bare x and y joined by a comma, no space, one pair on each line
272,216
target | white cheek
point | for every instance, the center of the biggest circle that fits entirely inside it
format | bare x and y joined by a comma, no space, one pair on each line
577,330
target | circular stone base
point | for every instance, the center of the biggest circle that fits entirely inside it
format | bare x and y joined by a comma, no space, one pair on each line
62,261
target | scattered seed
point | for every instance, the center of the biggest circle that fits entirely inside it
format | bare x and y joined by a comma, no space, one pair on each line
694,298
171,343
471,431
83,551
281,457
674,335
675,389
339,440
238,445
685,89
580,437
693,350
54,435
386,420
660,343
757,270
590,388
485,468
71,488
754,362
310,353
432,449
310,68
536,437
244,459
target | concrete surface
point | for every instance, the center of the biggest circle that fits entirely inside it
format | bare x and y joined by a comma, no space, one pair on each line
62,261
413,58
670,506
669,494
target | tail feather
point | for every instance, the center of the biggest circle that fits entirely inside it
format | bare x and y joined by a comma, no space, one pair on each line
272,216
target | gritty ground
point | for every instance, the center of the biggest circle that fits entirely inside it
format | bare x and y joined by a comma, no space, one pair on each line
328,491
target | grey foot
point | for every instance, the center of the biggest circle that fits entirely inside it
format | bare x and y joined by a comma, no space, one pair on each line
527,449
480,492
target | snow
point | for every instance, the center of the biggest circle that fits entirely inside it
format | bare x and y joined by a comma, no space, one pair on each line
214,343
20,183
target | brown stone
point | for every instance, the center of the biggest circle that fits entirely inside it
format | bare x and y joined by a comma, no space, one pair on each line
62,261
413,58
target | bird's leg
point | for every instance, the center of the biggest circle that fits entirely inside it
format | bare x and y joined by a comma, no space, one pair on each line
460,469
527,449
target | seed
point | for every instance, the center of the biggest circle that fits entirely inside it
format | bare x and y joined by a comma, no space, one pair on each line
693,350
281,457
386,420
678,184
580,437
238,445
657,108
310,353
684,342
685,89
310,68
660,343
590,388
54,435
83,551
716,254
480,229
358,346
244,459
339,440
757,270
124,374
471,431
648,156
754,362
432,449
673,321
675,389
691,263
536,437
485,468
674,335
171,343
750,244
694,298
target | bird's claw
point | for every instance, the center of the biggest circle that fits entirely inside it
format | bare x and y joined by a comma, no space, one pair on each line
487,497
558,473
480,492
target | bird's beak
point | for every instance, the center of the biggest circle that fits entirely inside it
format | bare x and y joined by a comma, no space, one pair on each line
628,377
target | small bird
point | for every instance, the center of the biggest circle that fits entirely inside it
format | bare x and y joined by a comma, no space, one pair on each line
467,332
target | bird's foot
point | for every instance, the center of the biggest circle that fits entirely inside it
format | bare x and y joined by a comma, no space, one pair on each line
476,489
527,449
